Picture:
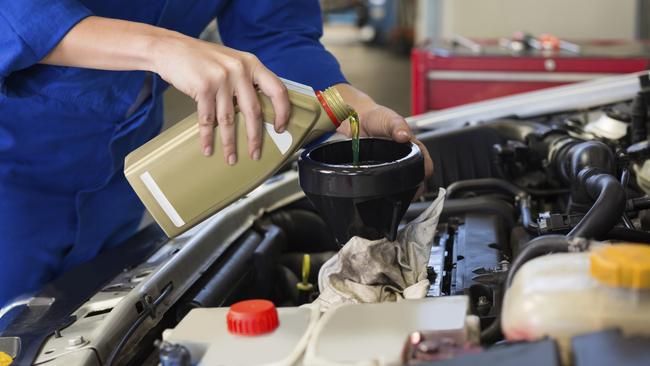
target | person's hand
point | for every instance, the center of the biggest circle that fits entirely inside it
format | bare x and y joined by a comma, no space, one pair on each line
215,76
380,121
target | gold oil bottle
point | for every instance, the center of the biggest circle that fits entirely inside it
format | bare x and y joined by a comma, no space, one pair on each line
181,187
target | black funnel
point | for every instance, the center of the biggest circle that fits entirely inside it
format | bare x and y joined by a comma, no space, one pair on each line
367,200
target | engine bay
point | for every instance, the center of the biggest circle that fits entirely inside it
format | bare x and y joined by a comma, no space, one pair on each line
509,182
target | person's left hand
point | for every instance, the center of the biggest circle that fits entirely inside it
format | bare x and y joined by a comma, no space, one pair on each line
380,121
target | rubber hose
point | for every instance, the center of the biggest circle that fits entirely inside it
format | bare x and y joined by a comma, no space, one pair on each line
483,184
605,213
461,206
492,333
306,231
624,234
639,114
538,247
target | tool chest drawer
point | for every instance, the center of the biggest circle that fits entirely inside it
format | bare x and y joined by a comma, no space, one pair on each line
446,74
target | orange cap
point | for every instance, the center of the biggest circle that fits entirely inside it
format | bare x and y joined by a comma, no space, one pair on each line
622,265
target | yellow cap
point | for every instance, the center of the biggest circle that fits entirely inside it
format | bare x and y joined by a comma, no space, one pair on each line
622,265
5,359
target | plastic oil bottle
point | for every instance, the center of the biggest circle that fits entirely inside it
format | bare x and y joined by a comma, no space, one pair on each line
181,187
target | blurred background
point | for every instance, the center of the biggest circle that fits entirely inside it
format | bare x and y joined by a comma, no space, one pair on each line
421,55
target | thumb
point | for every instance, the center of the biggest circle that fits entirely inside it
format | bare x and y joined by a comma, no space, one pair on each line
386,123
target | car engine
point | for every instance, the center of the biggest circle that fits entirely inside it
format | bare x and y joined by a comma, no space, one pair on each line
509,180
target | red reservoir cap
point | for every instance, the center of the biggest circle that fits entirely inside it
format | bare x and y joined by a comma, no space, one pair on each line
252,317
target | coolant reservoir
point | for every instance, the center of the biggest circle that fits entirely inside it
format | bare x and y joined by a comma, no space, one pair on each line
567,294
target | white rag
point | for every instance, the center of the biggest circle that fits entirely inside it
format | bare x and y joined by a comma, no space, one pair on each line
366,271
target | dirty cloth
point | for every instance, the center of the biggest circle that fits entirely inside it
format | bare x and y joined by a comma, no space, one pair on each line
366,271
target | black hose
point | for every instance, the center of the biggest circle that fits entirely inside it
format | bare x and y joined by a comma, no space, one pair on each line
625,179
547,192
538,247
495,184
306,231
625,234
521,196
483,184
223,278
637,204
639,115
606,212
461,206
492,333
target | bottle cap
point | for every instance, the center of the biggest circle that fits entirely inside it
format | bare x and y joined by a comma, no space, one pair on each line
252,317
337,110
622,265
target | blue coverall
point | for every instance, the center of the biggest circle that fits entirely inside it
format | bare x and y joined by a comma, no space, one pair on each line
64,131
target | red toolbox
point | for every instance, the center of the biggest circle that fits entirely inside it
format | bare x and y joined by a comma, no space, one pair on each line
447,74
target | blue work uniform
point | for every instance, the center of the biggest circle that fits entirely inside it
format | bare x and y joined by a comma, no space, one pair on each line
64,131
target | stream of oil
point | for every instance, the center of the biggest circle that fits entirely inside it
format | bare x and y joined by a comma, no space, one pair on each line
354,127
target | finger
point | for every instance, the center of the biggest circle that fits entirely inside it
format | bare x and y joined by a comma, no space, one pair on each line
275,89
226,121
252,111
428,168
206,111
389,124
345,129
428,162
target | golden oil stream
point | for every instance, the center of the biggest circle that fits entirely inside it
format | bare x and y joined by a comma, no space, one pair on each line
354,128
342,111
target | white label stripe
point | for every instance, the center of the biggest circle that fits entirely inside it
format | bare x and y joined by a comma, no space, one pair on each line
282,140
299,88
162,200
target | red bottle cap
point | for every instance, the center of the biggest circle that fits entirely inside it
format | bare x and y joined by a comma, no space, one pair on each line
252,317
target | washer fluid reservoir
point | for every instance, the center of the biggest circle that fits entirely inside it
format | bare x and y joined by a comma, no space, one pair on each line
566,294
249,333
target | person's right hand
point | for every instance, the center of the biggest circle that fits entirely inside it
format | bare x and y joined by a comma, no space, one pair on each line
215,76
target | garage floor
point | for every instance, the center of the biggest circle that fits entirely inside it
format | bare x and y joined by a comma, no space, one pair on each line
378,72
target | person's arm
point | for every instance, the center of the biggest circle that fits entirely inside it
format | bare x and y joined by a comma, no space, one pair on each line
211,74
30,29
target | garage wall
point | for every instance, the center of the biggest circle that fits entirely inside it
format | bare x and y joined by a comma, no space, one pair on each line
595,19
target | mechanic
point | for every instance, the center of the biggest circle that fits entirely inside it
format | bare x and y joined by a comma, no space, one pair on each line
82,85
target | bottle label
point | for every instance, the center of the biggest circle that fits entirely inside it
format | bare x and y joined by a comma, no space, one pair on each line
298,88
162,200
282,140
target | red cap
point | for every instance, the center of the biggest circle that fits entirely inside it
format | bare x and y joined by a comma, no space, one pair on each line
252,317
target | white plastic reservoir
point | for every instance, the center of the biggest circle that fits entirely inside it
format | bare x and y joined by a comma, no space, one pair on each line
349,334
567,294
204,332
374,334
